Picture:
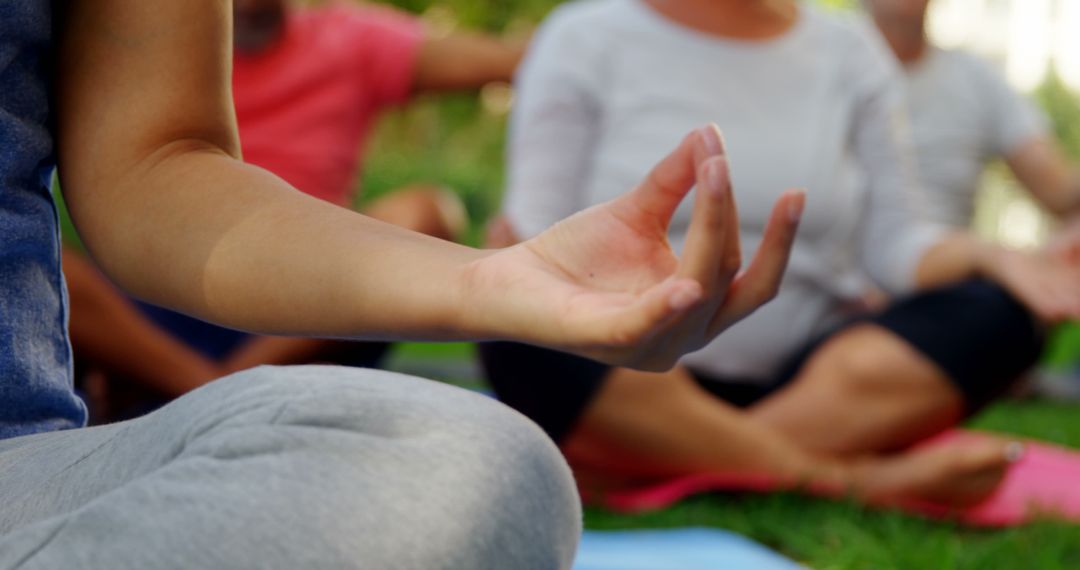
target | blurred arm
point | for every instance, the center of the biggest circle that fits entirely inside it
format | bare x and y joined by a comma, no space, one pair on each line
1042,168
108,330
902,249
276,350
462,61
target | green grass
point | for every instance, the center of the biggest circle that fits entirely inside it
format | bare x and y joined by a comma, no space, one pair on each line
838,536
829,535
832,536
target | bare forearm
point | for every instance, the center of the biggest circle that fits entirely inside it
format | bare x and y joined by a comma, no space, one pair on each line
277,351
1060,193
109,331
233,244
149,357
466,61
956,257
1045,283
961,256
1069,209
1043,169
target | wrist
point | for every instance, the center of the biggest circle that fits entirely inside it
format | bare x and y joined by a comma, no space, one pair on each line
1071,210
1001,264
988,259
956,257
475,308
419,293
500,299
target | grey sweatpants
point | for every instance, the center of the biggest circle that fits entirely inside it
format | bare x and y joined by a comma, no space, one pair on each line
294,468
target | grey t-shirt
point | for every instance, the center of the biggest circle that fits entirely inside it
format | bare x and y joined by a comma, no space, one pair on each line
963,115
611,86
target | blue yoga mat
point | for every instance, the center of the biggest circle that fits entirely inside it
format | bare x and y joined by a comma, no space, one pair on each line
676,549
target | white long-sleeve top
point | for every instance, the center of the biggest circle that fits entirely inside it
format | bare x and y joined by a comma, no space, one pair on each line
611,86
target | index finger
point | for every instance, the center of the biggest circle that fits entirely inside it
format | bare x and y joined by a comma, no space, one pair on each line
761,280
660,194
712,253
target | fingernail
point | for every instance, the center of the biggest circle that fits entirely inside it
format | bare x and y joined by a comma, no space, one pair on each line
716,177
682,299
796,206
714,139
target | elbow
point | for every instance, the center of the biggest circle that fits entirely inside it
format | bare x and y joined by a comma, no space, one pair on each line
1068,207
101,186
132,209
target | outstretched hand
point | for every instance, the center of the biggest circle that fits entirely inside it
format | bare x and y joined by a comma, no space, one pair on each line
1047,281
606,284
1065,245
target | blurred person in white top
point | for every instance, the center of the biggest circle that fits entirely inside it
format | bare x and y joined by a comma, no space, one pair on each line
964,115
805,99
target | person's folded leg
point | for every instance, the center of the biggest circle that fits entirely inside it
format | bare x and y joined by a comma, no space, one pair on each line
308,467
626,432
892,379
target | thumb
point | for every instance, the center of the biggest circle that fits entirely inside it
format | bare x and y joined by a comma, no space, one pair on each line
654,310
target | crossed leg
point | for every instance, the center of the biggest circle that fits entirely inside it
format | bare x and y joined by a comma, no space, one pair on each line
864,391
423,208
306,467
643,426
862,396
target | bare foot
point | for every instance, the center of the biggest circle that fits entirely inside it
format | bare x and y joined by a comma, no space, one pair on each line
950,475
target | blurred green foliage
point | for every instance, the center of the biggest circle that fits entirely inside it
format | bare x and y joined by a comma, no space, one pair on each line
490,15
839,4
1063,107
493,15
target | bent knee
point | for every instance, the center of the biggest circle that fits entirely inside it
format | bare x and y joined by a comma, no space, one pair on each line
468,481
431,210
868,359
516,491
368,401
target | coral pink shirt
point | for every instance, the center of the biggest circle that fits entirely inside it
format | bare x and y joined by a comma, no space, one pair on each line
306,105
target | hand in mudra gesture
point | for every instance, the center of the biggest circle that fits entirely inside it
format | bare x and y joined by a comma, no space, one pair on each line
606,284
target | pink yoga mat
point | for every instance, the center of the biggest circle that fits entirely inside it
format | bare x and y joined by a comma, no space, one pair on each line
1044,483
